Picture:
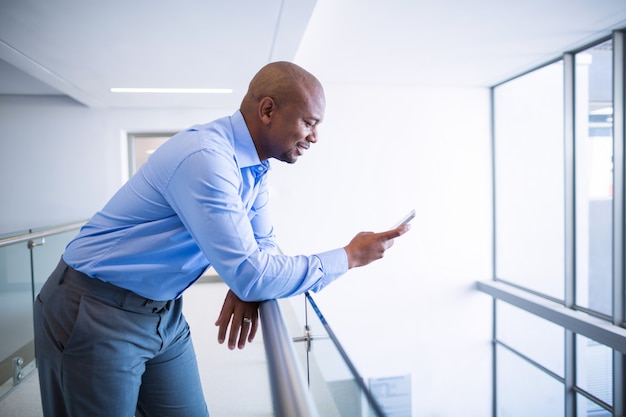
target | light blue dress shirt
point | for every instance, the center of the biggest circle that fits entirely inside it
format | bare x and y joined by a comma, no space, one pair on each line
200,200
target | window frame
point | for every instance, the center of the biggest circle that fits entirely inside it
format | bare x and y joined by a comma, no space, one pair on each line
609,331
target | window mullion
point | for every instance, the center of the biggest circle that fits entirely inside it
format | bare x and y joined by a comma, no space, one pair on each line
569,227
619,139
618,176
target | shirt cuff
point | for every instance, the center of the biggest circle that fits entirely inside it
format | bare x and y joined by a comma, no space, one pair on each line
334,264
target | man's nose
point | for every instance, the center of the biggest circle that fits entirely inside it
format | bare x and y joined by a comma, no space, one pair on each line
312,136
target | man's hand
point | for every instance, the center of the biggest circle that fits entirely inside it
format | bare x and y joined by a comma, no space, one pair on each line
367,247
243,318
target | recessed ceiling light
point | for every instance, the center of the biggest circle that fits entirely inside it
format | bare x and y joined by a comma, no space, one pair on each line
172,90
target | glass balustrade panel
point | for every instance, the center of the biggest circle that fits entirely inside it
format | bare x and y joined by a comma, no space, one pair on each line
47,256
16,314
336,390
24,267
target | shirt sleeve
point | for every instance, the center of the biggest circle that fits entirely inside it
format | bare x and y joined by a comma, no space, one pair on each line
204,192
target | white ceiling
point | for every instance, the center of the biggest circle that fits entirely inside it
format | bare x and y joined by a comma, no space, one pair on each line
83,48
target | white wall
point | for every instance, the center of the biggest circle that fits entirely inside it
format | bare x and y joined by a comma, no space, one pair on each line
383,150
53,161
60,161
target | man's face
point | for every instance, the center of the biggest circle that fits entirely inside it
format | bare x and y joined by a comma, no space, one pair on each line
294,128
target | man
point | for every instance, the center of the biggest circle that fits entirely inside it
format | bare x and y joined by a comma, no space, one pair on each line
110,336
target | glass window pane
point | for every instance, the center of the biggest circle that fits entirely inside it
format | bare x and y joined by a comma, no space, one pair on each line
594,177
524,390
528,154
594,368
532,336
586,408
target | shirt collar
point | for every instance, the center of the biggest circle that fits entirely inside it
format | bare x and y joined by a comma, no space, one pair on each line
245,150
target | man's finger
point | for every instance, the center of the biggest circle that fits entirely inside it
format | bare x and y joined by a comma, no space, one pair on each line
243,336
253,329
223,327
234,334
398,231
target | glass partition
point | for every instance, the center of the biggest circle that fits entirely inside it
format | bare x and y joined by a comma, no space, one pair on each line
336,386
17,350
26,260
47,256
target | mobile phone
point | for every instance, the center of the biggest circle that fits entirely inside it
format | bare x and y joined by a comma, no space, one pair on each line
407,218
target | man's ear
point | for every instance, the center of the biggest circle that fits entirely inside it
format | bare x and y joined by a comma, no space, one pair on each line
266,109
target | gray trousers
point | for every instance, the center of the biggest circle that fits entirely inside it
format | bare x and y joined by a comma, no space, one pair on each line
105,351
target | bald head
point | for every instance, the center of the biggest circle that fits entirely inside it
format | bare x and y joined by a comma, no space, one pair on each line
282,108
284,82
